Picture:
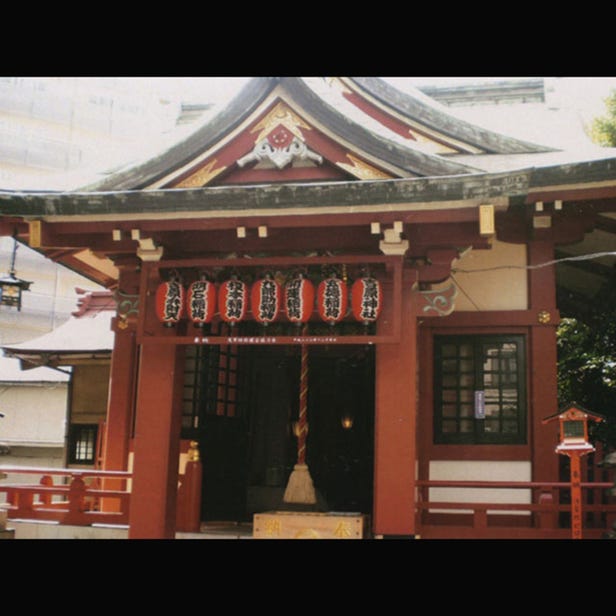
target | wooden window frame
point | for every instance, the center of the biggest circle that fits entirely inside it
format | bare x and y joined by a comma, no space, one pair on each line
75,437
478,435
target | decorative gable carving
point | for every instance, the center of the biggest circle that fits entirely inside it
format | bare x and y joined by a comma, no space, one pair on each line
202,176
363,170
280,140
280,148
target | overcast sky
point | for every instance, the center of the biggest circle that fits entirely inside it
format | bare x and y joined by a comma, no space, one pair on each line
141,113
585,92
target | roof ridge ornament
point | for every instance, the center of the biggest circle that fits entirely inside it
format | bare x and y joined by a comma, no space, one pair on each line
289,151
280,140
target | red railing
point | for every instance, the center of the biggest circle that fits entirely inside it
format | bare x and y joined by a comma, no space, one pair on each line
545,516
66,496
82,497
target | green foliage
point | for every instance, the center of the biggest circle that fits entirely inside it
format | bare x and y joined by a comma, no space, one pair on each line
587,341
587,362
603,129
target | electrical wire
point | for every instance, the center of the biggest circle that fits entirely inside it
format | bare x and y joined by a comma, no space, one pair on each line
468,297
596,255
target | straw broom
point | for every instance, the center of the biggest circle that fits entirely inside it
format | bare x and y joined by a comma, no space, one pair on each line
300,489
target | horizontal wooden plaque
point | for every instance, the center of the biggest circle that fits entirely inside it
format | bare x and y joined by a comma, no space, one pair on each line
296,525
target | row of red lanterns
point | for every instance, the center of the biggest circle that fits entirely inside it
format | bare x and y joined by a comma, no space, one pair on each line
203,300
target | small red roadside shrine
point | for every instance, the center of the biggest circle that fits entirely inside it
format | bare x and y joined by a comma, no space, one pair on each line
574,443
338,182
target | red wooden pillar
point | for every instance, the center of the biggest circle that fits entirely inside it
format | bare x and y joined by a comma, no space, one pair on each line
153,504
121,382
543,360
395,424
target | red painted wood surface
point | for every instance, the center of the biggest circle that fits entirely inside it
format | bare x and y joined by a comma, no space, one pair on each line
395,425
73,502
122,377
157,441
544,508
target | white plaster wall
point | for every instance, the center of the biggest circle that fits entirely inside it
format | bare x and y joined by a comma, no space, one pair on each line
475,470
34,414
499,281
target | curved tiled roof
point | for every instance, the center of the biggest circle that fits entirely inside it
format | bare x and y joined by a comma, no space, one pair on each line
406,159
423,110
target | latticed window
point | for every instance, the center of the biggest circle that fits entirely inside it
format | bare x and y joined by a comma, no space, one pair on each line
210,384
480,389
82,443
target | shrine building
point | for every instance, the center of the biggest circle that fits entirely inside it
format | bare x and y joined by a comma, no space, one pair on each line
340,242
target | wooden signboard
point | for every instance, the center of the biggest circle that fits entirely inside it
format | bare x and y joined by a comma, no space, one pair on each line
304,525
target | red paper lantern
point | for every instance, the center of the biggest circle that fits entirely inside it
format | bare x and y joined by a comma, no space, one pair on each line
201,302
366,299
170,302
265,300
299,299
233,300
332,299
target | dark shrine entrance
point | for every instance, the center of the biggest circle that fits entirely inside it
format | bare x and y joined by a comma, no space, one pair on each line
243,401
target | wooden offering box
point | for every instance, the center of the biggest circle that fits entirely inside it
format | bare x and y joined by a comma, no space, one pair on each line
307,525
5,533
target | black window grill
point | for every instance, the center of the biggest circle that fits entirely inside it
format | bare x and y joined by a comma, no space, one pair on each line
479,390
82,443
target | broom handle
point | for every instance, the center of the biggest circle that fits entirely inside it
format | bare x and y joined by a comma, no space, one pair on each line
303,407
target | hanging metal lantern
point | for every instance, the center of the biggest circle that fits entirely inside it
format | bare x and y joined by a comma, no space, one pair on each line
170,302
201,302
332,299
366,299
233,300
11,287
265,300
299,299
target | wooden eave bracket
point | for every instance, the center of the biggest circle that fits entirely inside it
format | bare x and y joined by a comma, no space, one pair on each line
392,242
147,250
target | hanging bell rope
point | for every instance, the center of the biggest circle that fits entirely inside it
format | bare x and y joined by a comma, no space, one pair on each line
302,424
300,489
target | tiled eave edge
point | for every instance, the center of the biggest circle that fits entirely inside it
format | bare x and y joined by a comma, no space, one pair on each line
459,191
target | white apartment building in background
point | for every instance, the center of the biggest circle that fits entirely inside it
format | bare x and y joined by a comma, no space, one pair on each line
54,133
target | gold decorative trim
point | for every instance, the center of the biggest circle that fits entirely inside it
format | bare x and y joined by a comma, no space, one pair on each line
193,452
202,176
35,233
435,146
363,170
283,115
335,82
544,317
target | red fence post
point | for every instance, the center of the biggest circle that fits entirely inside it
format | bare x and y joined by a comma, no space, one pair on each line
76,496
45,497
546,518
24,502
480,518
